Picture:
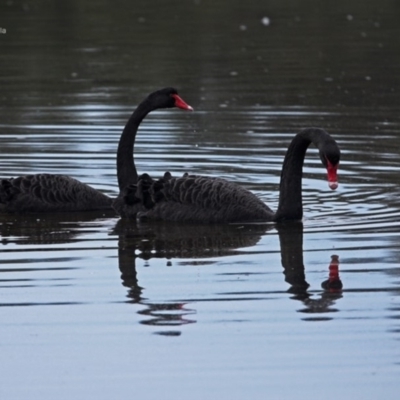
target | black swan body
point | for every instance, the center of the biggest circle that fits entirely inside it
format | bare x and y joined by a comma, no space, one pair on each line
59,193
50,193
204,199
126,169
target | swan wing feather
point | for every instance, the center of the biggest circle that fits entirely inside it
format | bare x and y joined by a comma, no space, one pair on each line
48,192
202,199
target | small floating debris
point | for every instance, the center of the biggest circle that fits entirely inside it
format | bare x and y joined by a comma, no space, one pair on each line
265,21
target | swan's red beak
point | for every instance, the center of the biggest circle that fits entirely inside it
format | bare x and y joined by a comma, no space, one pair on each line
332,175
180,103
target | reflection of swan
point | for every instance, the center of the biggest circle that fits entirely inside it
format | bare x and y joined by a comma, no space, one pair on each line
211,200
47,229
291,240
157,314
160,240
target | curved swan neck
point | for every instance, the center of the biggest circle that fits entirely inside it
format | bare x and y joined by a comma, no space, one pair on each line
126,169
290,196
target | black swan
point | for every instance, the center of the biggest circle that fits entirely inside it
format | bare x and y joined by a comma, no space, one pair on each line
59,193
126,170
204,199
49,193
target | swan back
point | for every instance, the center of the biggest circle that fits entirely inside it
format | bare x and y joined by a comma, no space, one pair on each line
46,192
196,199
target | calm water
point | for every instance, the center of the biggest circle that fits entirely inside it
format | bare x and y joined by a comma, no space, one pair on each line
96,307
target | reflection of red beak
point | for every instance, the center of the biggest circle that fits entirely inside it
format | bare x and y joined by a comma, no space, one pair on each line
180,103
332,175
335,284
334,267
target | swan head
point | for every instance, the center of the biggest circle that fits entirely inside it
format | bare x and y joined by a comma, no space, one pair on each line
167,98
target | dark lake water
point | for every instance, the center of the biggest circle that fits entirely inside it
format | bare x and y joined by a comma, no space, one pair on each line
96,307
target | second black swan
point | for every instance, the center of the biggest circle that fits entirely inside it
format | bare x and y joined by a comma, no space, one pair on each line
205,199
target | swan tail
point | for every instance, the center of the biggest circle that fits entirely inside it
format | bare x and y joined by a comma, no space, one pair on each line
136,197
140,192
